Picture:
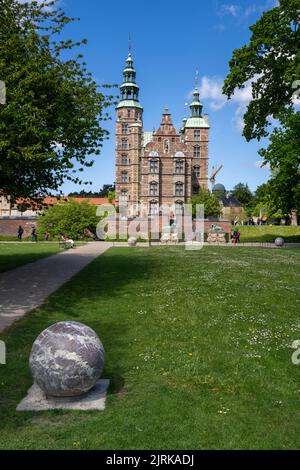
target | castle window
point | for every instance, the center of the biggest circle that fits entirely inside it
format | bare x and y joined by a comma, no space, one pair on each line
166,146
124,128
124,195
153,166
179,189
153,207
124,144
196,171
197,134
196,151
178,207
124,177
124,160
128,113
153,188
179,166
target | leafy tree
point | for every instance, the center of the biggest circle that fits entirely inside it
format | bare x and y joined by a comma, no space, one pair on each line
211,204
283,154
272,61
51,123
73,219
111,196
106,189
243,194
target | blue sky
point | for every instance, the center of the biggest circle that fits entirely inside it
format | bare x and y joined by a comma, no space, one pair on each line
170,39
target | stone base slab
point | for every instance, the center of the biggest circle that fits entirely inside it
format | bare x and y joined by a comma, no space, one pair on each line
36,400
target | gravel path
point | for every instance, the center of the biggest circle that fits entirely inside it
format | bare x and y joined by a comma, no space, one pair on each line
27,287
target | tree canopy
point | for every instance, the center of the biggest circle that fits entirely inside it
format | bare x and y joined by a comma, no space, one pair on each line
243,194
271,61
211,204
76,220
50,125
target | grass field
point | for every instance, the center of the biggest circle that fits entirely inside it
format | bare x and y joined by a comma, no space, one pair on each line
198,350
13,255
268,233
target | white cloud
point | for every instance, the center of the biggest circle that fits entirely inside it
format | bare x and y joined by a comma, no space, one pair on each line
211,91
232,9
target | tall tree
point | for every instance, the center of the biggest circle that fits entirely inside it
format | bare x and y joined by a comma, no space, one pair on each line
271,61
50,125
242,193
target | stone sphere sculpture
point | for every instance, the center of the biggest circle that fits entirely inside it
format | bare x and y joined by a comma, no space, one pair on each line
279,241
132,241
67,359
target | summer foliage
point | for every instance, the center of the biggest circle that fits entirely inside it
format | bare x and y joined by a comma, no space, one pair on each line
74,219
271,61
51,123
211,203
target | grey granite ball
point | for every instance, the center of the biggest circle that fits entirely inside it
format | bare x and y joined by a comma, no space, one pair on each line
279,241
132,241
67,359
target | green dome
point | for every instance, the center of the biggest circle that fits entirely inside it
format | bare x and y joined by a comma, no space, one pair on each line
219,187
219,190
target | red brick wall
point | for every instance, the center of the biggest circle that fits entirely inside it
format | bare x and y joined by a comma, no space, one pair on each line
9,227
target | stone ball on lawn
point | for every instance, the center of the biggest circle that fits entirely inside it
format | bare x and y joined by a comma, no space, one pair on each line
279,241
132,241
67,359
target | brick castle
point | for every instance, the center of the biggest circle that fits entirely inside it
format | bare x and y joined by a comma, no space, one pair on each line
159,168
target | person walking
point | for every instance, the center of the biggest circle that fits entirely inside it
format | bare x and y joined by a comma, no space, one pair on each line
20,232
34,235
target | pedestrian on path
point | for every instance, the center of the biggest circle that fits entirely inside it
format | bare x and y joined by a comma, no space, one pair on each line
20,232
34,236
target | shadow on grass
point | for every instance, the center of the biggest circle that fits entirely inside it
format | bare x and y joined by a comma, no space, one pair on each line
91,297
15,260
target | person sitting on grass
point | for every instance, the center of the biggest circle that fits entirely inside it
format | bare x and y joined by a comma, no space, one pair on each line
68,241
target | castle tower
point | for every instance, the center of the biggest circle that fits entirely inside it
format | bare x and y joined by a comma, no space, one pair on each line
195,132
129,131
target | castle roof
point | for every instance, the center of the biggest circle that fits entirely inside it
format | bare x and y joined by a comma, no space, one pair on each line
196,122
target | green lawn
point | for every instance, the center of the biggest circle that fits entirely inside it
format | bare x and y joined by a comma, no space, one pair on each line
268,233
13,255
198,350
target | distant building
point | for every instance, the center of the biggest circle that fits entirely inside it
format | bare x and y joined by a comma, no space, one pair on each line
20,209
231,208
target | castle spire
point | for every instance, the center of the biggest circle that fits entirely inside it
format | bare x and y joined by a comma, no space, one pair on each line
129,90
196,106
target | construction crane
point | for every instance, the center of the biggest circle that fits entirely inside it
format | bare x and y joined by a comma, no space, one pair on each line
215,171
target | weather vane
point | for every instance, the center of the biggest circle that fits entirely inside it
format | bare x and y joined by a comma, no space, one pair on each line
129,43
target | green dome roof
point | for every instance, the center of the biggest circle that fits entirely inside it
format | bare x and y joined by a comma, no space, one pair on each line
219,187
219,190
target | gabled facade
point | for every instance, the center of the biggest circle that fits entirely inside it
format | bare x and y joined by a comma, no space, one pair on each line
161,168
